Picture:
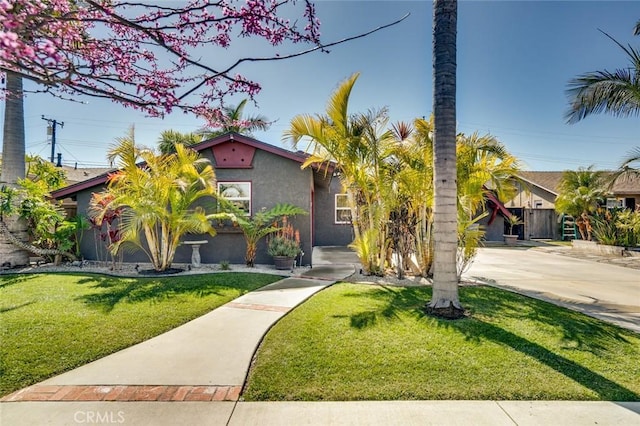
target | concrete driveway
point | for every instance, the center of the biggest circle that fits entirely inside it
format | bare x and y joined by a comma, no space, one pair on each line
604,291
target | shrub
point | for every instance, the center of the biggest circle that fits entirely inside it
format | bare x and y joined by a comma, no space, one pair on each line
285,242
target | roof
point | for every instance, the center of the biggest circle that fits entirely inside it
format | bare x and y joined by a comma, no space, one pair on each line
75,175
100,179
550,181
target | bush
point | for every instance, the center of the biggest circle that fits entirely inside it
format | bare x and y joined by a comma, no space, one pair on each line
285,242
617,228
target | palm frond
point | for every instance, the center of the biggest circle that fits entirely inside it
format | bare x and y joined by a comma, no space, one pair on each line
612,92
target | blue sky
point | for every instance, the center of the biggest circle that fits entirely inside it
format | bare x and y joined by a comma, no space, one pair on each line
514,61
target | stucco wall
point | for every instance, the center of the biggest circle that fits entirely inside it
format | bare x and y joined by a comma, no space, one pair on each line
495,231
274,179
326,231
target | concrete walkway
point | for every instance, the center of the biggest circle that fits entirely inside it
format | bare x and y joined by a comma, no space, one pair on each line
193,375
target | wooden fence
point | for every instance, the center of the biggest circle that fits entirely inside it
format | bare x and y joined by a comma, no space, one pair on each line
541,223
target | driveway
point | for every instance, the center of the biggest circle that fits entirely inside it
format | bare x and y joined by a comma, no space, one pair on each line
602,290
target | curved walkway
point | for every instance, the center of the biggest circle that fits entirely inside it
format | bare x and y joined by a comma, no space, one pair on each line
193,375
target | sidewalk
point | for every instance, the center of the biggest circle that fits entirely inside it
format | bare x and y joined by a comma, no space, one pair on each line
142,385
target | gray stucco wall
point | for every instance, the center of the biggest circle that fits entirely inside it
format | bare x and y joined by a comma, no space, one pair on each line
274,180
495,231
326,231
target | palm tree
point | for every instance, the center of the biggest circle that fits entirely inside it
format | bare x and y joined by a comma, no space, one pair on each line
580,194
157,199
612,92
483,164
169,138
13,164
359,144
445,300
232,121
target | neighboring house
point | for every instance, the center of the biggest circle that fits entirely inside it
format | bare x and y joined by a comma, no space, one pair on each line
539,190
255,175
536,197
80,174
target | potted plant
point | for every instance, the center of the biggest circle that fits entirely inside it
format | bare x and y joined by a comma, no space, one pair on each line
284,245
511,238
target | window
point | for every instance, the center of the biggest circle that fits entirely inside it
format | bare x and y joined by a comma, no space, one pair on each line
613,203
238,193
343,212
537,204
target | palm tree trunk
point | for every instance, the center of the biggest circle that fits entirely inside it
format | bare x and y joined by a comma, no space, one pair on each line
13,167
445,300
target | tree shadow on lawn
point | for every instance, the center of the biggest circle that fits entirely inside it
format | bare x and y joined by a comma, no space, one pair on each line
580,332
14,307
117,290
12,279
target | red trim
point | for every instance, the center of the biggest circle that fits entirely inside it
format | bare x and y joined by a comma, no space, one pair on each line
497,207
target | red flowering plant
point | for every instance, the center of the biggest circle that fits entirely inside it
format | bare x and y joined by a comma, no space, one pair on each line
286,241
103,221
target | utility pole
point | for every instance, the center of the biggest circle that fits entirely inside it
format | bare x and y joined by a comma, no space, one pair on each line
51,130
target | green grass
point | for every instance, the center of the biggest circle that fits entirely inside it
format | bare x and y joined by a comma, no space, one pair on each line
51,323
365,342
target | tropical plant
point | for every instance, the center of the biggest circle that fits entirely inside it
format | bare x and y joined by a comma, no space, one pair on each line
169,138
469,239
357,146
230,120
513,220
483,164
617,227
49,231
259,225
445,299
612,92
285,241
103,221
626,170
157,198
580,194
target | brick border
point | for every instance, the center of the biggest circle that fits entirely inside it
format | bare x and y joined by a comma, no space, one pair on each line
125,393
257,307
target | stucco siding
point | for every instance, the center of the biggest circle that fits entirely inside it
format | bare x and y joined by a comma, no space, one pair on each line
275,178
326,231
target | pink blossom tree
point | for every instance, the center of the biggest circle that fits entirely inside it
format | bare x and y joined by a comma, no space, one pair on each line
154,57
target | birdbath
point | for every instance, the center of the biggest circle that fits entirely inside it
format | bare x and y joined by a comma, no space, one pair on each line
195,251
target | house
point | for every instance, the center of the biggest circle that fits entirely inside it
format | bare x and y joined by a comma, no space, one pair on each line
536,197
254,175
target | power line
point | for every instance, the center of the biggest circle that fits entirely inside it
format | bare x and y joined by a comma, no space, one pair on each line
51,129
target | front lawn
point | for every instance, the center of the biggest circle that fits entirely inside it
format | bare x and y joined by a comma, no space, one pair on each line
51,323
368,342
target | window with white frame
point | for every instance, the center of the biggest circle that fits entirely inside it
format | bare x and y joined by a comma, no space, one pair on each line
238,193
613,203
342,210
